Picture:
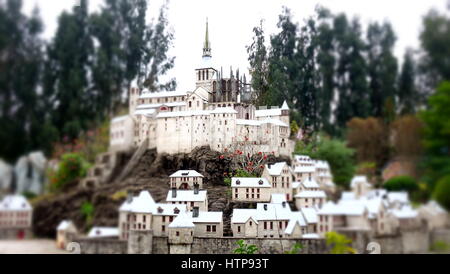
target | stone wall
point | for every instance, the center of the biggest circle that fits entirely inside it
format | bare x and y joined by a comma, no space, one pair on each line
413,241
440,235
102,246
226,245
403,242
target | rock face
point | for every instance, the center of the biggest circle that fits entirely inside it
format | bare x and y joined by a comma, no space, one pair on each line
152,174
30,172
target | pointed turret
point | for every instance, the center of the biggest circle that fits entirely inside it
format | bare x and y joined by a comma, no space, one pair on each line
207,44
285,106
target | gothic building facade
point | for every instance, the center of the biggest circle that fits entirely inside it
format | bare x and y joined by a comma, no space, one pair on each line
219,113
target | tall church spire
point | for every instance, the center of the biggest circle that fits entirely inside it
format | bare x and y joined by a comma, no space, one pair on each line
207,44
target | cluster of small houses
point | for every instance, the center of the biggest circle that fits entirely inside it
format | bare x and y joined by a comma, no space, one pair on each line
304,185
185,214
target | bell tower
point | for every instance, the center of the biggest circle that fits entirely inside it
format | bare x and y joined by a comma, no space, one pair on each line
207,44
205,73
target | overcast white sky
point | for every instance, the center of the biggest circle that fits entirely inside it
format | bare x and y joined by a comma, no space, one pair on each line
231,23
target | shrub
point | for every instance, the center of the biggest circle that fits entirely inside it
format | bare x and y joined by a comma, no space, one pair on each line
440,246
442,192
72,167
119,195
295,249
244,248
87,210
339,243
401,183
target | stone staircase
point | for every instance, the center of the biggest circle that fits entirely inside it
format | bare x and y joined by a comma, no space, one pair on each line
109,164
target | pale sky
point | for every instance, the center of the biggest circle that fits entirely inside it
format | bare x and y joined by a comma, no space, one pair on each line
231,23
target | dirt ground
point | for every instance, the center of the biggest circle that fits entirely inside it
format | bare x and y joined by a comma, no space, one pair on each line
29,247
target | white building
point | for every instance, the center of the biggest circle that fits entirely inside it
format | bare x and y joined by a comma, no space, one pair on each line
274,220
65,233
15,217
186,179
280,177
217,113
190,198
310,198
142,213
250,189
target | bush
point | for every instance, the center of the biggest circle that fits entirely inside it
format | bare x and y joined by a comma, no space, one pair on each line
339,243
87,210
72,167
442,192
238,173
244,248
335,151
401,183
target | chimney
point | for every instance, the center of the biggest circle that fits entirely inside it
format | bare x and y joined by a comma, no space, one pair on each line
174,192
195,212
196,188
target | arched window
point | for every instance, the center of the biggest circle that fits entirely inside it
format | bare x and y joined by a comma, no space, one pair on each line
199,75
214,86
203,75
229,85
190,104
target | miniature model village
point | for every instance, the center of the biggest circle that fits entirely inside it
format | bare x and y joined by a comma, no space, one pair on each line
288,201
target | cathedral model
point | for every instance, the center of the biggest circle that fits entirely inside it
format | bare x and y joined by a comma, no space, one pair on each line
219,113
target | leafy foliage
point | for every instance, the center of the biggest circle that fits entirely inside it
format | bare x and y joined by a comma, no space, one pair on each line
437,135
338,155
295,249
442,192
71,168
401,183
238,173
245,248
87,211
339,243
435,41
369,138
55,90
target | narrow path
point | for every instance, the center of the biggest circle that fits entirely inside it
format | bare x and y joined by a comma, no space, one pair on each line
35,246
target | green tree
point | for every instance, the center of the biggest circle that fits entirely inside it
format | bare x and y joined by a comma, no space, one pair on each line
351,74
442,192
435,43
338,155
401,183
22,108
339,243
437,135
326,62
67,73
282,65
258,59
382,66
156,62
408,97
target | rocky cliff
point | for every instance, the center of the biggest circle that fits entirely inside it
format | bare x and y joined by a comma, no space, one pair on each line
150,173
